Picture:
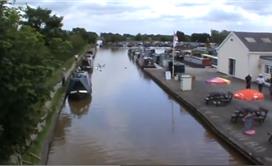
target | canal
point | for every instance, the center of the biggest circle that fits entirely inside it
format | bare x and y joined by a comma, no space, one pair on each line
131,120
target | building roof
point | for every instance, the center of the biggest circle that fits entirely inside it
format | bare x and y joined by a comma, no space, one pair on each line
256,41
268,58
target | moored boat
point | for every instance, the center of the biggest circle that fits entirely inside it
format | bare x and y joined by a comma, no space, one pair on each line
79,85
86,64
146,62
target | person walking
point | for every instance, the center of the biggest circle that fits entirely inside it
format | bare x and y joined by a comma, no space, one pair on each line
248,81
63,78
260,81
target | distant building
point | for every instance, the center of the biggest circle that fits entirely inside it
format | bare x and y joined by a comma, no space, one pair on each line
243,53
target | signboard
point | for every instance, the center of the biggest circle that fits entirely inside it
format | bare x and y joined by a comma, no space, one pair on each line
167,75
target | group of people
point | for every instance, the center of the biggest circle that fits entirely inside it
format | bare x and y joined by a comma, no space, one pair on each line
260,81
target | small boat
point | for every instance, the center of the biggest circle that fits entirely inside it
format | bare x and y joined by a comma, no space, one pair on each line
86,65
146,62
79,86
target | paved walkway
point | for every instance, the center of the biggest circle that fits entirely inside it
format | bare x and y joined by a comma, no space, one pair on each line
256,148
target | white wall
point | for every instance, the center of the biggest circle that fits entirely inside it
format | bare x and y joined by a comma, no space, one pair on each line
234,49
255,66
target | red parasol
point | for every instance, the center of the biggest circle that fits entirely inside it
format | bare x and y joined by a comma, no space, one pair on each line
248,95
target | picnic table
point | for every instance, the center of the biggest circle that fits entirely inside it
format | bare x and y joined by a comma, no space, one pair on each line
258,114
219,98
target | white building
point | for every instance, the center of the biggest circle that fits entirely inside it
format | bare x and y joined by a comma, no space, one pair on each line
243,53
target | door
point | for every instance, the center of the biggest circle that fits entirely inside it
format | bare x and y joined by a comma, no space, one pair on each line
232,66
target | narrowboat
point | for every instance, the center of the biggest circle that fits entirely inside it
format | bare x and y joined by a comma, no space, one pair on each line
79,85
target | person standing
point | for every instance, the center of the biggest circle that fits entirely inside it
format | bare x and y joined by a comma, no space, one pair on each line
76,58
260,81
248,121
270,86
63,78
248,81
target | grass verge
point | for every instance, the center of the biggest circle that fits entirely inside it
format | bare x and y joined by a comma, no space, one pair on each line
32,155
55,78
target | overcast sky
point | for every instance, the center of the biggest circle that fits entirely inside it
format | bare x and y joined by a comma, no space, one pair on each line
161,16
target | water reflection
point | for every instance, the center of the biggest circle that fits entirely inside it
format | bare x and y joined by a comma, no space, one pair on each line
139,69
79,107
64,122
142,74
115,49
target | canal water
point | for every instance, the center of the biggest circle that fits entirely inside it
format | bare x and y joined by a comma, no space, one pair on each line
130,120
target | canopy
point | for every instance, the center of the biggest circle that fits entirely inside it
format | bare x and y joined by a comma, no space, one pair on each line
248,95
218,80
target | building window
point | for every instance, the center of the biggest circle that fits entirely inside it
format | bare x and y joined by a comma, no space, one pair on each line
266,40
250,39
268,69
231,39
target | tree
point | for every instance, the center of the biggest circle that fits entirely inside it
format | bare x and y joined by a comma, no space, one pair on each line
181,36
61,48
36,18
138,37
82,32
22,72
110,37
77,42
29,52
45,23
92,37
200,37
217,36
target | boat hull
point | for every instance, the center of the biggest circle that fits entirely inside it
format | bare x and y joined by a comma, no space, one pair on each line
78,96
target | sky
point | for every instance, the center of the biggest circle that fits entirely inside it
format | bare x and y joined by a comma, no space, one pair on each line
161,16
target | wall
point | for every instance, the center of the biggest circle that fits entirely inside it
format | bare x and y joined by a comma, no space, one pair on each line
255,67
234,49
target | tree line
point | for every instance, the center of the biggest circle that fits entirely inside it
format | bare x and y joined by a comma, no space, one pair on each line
116,37
32,46
215,37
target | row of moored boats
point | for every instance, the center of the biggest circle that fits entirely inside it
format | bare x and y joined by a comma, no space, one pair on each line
80,85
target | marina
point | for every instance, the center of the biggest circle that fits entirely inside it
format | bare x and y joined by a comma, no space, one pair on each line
128,125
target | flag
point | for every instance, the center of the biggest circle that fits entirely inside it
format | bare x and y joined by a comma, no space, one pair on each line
175,40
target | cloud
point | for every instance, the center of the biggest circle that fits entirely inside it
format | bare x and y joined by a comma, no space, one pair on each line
159,16
219,15
261,7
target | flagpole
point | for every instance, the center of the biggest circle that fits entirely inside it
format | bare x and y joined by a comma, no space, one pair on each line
173,55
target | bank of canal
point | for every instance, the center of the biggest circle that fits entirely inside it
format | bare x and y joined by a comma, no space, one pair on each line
130,120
